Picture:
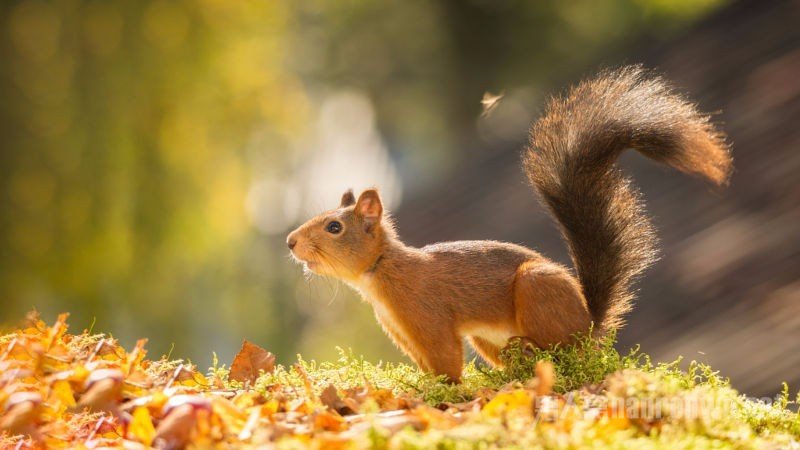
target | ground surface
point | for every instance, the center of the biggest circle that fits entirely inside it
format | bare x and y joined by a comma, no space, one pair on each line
84,390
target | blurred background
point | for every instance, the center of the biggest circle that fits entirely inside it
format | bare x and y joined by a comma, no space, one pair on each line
156,153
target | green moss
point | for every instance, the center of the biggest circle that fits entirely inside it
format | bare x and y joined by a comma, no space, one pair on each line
586,362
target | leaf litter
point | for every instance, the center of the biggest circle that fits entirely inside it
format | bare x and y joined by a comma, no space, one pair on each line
61,390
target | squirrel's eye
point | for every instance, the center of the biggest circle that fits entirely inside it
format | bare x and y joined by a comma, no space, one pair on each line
333,227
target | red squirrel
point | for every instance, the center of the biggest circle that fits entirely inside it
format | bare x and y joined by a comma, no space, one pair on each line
427,299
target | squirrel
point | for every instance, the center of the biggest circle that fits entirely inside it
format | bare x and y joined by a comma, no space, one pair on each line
427,299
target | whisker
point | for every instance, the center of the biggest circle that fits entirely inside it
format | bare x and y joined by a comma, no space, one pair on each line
330,262
335,293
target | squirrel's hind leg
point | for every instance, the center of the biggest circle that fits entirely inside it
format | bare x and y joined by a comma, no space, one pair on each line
549,306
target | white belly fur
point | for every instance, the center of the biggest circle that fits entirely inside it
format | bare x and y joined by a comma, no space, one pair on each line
497,335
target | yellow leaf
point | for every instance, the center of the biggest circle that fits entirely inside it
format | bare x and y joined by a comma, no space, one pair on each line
233,417
270,407
79,374
196,379
159,399
141,426
61,393
518,400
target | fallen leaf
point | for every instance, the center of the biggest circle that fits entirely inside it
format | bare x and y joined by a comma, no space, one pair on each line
141,426
250,425
103,390
136,356
61,395
546,376
176,429
250,362
330,398
233,417
22,413
328,421
518,400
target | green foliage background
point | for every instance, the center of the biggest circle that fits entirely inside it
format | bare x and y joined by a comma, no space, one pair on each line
133,131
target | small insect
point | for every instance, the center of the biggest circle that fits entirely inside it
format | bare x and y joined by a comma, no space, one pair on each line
490,102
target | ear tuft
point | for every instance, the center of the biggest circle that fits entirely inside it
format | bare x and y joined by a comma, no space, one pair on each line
369,207
347,199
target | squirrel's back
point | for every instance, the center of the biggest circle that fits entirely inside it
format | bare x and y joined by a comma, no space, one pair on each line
570,162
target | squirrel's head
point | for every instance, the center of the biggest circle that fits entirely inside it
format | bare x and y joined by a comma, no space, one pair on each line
344,242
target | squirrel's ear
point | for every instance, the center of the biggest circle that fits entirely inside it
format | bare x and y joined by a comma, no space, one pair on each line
369,207
347,199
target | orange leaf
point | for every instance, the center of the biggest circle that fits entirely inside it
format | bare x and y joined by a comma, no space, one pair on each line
250,361
136,356
546,376
325,420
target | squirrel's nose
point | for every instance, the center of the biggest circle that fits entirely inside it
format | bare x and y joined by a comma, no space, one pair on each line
291,242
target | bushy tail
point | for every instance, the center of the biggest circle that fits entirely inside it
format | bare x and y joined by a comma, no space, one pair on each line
570,162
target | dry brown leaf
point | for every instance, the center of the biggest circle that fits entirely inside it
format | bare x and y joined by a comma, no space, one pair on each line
250,361
330,398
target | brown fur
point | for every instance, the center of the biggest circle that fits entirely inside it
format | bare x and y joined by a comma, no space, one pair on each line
428,299
570,162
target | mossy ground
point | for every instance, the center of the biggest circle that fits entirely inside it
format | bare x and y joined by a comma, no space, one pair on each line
61,390
604,399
